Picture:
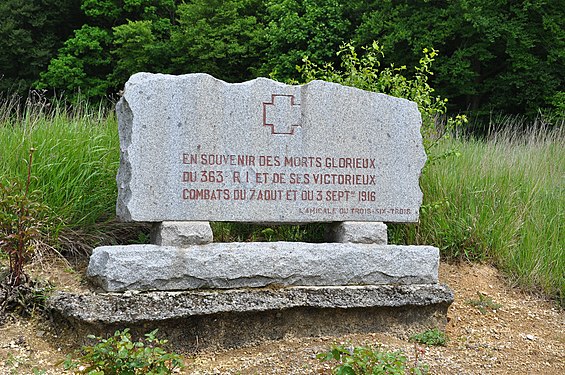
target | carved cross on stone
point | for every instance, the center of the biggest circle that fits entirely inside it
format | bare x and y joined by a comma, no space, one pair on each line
282,114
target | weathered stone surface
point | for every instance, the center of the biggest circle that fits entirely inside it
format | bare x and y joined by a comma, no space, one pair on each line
182,233
359,232
226,318
139,307
199,149
238,265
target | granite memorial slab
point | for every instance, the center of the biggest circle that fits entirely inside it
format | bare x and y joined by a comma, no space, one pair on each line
195,148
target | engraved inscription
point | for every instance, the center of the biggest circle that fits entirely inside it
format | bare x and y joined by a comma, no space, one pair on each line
342,185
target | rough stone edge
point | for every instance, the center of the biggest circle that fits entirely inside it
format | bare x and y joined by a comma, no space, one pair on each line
123,177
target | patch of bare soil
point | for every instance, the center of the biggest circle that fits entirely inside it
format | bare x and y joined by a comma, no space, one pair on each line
525,335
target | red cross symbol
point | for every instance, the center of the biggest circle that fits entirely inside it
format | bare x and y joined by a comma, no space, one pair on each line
282,114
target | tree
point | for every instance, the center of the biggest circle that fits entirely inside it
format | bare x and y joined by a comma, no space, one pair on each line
31,31
82,64
298,28
222,38
494,55
505,56
141,46
101,55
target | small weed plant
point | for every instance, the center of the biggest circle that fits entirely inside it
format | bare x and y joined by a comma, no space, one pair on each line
433,337
22,216
365,72
20,213
119,355
361,360
15,364
484,304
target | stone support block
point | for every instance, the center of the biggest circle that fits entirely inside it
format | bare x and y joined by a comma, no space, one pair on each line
358,232
182,233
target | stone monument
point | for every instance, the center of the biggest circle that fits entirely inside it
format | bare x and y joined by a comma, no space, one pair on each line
195,149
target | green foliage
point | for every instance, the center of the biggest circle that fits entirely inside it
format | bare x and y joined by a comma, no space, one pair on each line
123,38
222,38
120,355
365,72
430,337
31,31
142,42
558,102
21,218
484,304
81,65
136,47
295,28
363,360
500,202
495,55
104,9
107,13
230,232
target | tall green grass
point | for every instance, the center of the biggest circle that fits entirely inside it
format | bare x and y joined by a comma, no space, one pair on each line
76,157
502,200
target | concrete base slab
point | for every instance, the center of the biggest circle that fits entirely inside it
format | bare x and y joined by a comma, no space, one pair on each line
194,320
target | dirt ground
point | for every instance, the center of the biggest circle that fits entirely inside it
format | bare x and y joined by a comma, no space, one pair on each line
524,335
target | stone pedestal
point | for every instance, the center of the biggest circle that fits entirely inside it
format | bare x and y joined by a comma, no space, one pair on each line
232,294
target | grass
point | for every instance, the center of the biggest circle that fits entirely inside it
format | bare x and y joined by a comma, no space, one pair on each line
484,304
501,201
240,232
433,337
75,162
